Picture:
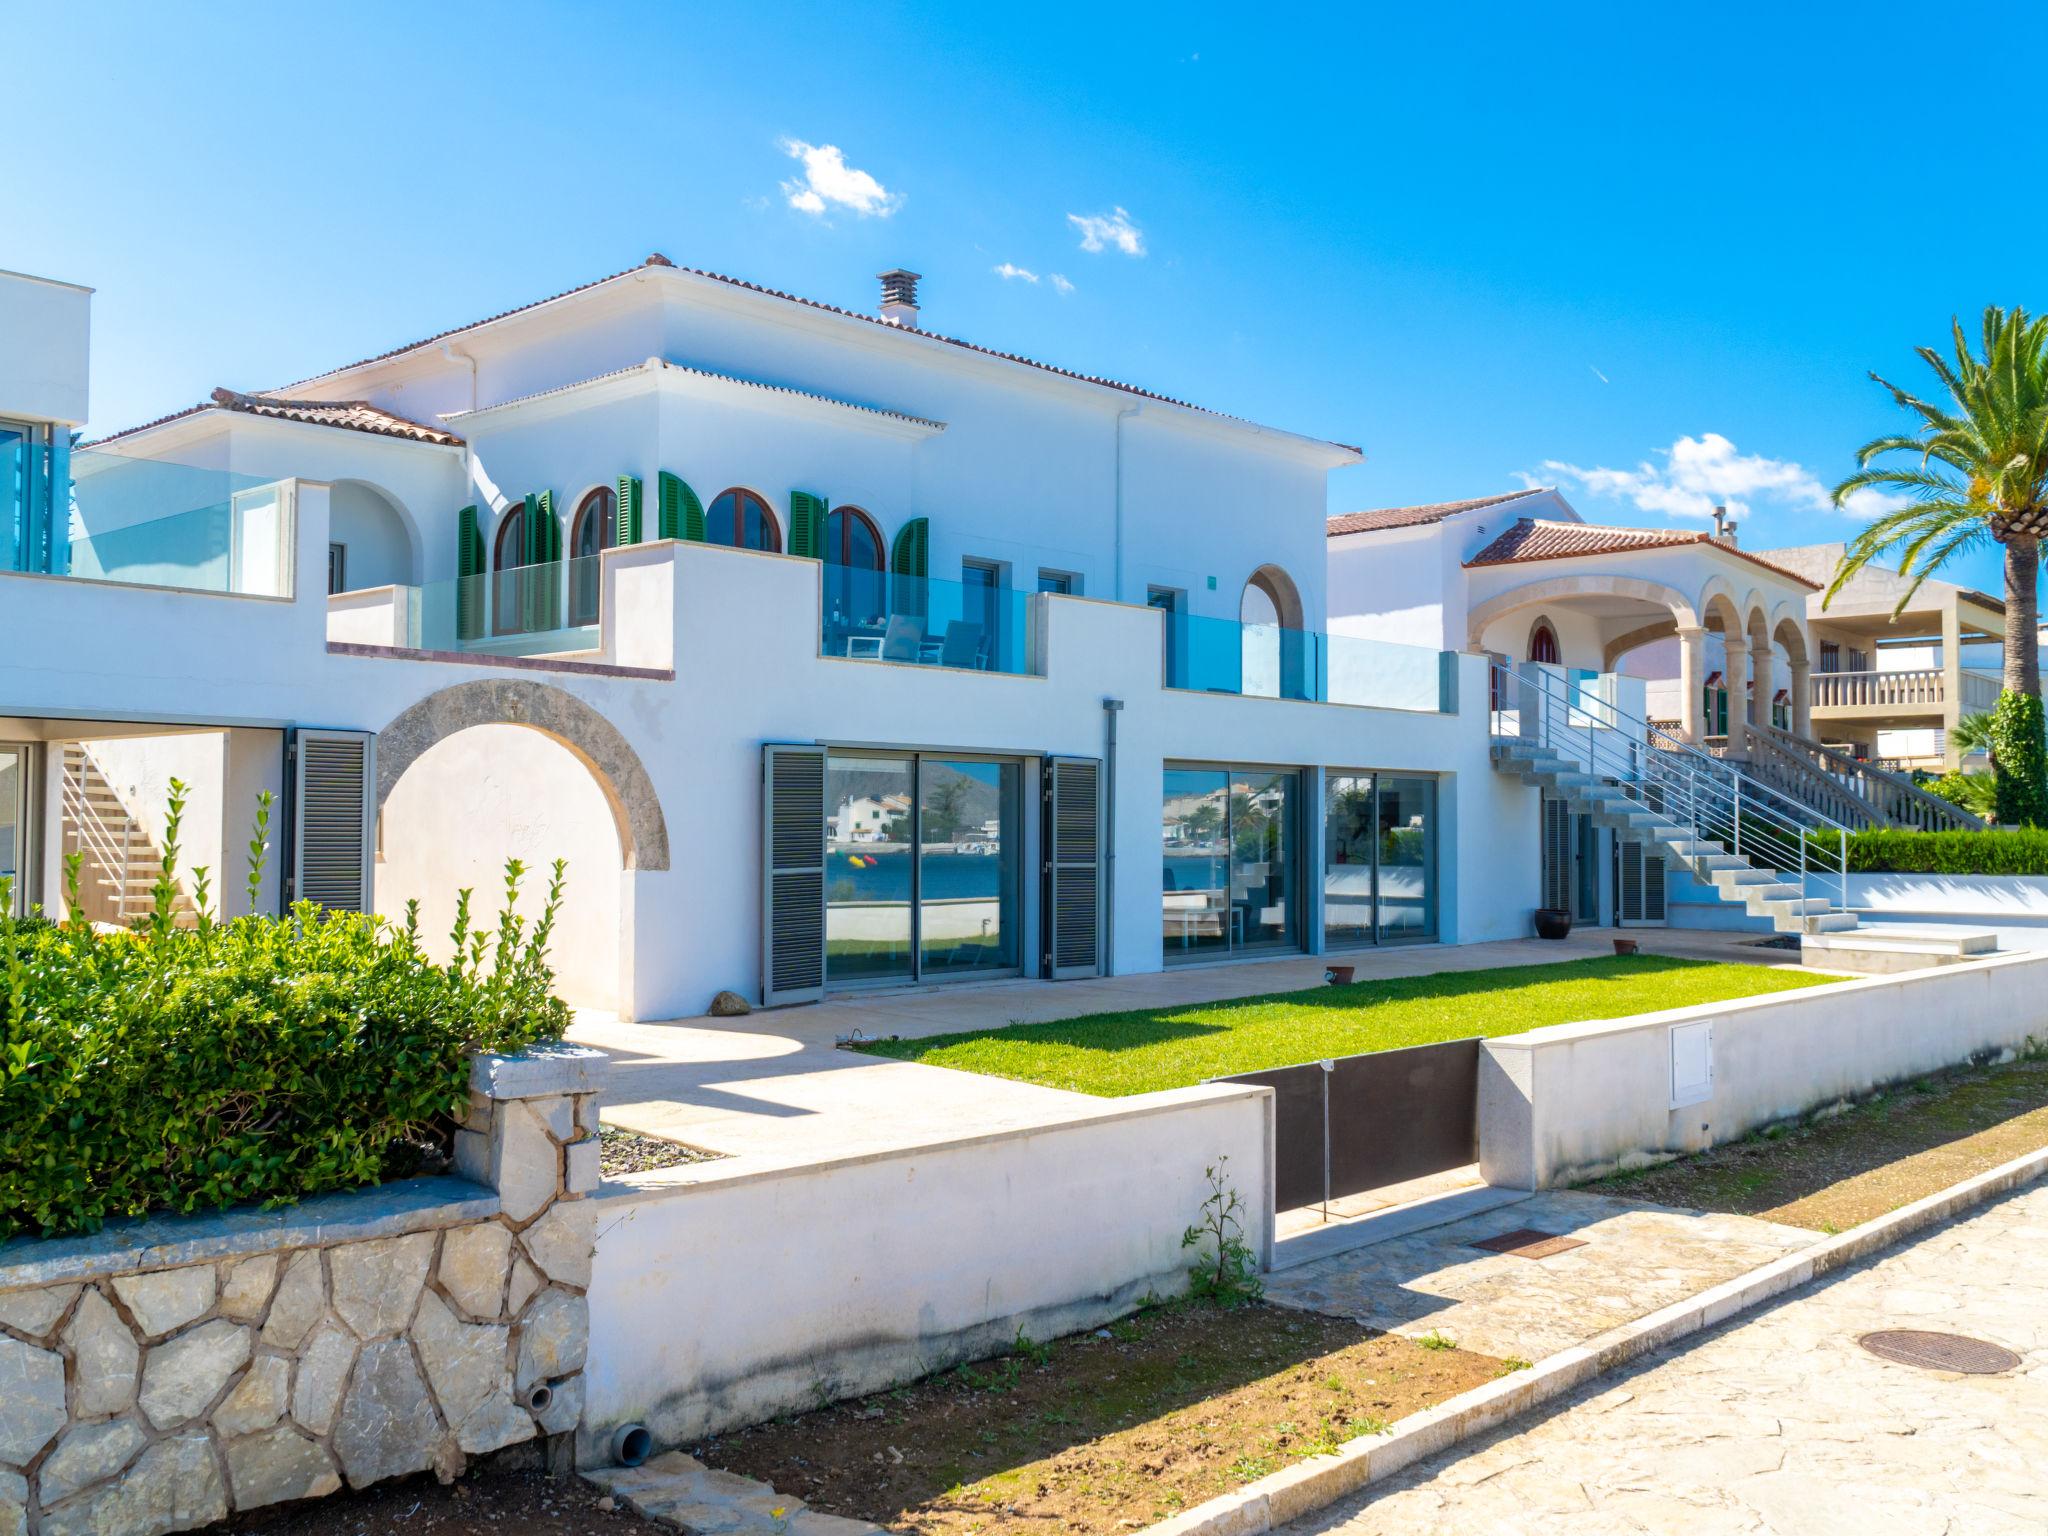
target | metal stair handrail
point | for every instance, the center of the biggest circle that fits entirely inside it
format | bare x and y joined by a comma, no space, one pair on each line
1895,798
94,835
1710,798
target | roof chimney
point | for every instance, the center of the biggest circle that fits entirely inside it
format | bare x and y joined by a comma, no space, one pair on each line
899,297
1724,526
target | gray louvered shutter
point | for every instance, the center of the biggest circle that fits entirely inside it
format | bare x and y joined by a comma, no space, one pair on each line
1073,867
1557,853
1641,896
332,774
792,875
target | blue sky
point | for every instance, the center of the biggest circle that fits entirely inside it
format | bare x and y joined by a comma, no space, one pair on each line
1657,246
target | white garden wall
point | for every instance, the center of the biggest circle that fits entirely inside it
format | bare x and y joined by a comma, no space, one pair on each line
726,1294
1573,1101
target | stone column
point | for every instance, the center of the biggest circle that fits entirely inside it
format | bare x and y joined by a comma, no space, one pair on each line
1802,699
1764,684
1738,694
1951,682
1692,671
532,1136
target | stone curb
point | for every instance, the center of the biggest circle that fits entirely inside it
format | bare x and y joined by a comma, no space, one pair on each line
1314,1484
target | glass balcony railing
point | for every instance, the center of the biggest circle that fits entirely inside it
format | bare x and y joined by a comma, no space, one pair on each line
1213,655
152,523
529,610
925,621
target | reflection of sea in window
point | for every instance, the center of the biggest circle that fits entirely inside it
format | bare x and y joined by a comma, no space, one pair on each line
923,867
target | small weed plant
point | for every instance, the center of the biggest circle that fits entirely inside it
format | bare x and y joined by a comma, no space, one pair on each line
1436,1339
1226,1271
197,1062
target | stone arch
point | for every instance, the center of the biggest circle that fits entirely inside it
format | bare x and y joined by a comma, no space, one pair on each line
1279,590
1788,630
1720,608
1534,594
588,736
1612,653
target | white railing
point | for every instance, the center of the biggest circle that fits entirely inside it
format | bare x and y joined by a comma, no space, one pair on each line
1709,797
1981,691
108,850
1915,688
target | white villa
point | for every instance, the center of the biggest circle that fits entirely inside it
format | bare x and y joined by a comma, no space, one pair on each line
699,585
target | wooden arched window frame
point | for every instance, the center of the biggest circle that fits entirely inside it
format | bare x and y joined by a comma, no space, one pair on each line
852,540
594,530
1543,645
508,551
741,519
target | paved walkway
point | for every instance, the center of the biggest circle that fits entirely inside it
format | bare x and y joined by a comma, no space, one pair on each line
1781,1424
771,1084
1635,1258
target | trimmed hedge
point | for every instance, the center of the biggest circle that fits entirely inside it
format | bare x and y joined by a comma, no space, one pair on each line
1893,851
263,1059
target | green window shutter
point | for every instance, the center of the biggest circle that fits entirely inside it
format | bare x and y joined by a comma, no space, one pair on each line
678,512
541,536
806,525
469,575
629,510
910,555
909,561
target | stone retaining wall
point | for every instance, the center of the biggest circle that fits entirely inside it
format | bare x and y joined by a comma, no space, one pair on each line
157,1376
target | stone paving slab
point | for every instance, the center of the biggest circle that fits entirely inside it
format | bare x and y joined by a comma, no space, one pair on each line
1637,1258
681,1492
1781,1423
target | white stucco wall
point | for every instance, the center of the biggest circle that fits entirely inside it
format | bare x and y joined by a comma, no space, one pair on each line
47,326
499,792
847,1276
1569,1102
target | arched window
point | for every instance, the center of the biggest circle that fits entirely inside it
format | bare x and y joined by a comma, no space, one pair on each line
595,530
1543,644
851,540
507,554
741,520
856,590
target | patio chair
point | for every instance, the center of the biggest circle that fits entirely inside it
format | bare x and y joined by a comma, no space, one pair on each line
962,646
903,639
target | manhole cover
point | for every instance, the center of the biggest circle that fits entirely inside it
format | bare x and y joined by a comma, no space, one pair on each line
1528,1243
1939,1351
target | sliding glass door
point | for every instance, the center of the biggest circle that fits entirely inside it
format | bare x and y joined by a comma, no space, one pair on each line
1379,858
1230,882
923,871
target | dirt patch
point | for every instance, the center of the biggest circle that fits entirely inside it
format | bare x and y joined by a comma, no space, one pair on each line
1840,1170
490,1501
1102,1432
632,1152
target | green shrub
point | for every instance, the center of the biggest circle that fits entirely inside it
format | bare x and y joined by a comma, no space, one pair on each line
1976,793
2020,750
261,1059
1891,850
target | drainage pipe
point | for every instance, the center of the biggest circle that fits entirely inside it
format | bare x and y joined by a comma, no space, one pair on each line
1111,708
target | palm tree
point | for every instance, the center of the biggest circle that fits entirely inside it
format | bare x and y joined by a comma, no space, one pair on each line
1975,470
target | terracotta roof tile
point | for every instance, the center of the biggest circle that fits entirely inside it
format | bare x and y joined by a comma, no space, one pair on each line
349,415
1410,517
1535,538
658,260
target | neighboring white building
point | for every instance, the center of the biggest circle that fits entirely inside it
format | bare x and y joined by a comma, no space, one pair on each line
658,574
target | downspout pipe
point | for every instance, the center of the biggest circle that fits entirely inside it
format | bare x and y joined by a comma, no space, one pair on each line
1111,708
1117,588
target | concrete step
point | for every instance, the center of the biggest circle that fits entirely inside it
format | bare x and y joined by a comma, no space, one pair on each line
1886,948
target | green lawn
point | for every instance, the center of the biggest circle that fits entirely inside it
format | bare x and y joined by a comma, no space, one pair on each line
1113,1054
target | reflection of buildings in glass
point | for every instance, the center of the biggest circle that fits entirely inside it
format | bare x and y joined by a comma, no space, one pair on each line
868,818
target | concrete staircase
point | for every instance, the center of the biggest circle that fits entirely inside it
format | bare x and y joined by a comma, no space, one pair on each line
122,860
1735,879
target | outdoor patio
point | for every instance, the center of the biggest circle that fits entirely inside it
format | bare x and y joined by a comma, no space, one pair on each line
772,1085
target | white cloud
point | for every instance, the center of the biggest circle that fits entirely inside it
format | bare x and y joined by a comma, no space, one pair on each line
1061,284
1871,502
1010,269
1701,473
829,182
1099,231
